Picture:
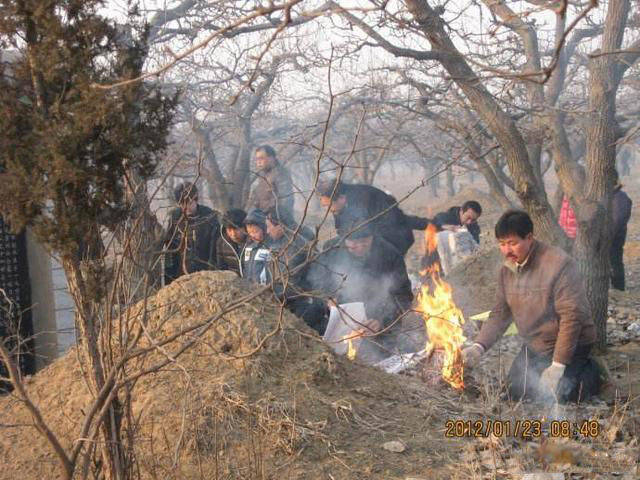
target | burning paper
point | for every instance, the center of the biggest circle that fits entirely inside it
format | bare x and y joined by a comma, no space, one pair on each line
443,319
347,333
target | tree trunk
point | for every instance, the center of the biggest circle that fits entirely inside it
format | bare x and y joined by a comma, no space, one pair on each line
211,170
79,276
242,177
593,212
451,188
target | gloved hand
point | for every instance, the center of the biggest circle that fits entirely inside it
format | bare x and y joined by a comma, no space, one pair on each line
550,378
471,355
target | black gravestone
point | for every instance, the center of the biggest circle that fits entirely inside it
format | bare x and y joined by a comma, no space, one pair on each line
16,329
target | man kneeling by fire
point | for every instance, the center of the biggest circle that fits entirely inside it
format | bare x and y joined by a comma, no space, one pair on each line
541,290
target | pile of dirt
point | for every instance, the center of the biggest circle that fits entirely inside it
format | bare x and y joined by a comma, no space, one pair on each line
258,396
475,280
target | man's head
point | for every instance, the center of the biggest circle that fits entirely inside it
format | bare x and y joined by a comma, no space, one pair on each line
186,196
359,242
256,224
233,223
332,196
514,232
277,222
470,212
265,157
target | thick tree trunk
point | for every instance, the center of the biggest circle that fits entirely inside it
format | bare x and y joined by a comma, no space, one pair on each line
593,212
211,170
242,177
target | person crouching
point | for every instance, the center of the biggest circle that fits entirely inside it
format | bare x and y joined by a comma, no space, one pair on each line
541,290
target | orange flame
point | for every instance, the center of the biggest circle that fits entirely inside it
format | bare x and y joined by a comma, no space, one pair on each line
443,319
349,337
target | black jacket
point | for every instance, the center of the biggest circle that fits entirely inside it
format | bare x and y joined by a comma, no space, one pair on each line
621,212
287,256
380,280
228,253
452,217
190,242
365,202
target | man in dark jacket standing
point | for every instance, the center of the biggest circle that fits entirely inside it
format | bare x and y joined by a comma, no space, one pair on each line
273,186
190,241
465,216
541,290
620,213
348,202
365,269
231,241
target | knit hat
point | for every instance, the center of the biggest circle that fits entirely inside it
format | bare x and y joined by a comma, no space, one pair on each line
256,217
234,218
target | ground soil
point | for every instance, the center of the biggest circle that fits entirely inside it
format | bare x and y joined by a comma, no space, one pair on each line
259,396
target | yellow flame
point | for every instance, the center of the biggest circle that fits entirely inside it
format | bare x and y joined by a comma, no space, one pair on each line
443,319
351,349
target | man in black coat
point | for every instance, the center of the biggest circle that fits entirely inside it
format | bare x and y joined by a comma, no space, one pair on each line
231,241
365,269
465,216
620,212
190,241
364,202
292,253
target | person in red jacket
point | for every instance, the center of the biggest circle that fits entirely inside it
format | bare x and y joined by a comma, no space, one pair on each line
567,219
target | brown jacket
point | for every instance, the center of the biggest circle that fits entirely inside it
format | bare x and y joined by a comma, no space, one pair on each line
546,299
271,187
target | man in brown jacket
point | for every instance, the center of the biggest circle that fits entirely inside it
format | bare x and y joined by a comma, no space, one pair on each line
273,187
541,290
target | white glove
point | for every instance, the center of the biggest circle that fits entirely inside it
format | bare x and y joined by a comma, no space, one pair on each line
550,378
471,355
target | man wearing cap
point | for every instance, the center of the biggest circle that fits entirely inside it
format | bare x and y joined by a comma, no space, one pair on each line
190,241
231,241
273,186
365,269
348,202
541,290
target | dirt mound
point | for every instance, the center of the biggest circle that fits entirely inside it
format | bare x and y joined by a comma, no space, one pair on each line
257,396
474,280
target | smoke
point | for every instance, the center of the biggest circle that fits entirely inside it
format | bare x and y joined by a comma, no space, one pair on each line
347,278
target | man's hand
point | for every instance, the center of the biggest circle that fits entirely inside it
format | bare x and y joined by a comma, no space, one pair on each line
550,378
471,355
451,228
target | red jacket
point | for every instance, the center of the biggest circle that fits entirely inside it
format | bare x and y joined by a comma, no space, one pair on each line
567,219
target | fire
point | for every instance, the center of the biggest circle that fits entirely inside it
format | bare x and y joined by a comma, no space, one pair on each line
443,319
351,349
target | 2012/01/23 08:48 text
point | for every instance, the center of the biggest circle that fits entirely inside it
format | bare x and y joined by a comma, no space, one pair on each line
525,428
